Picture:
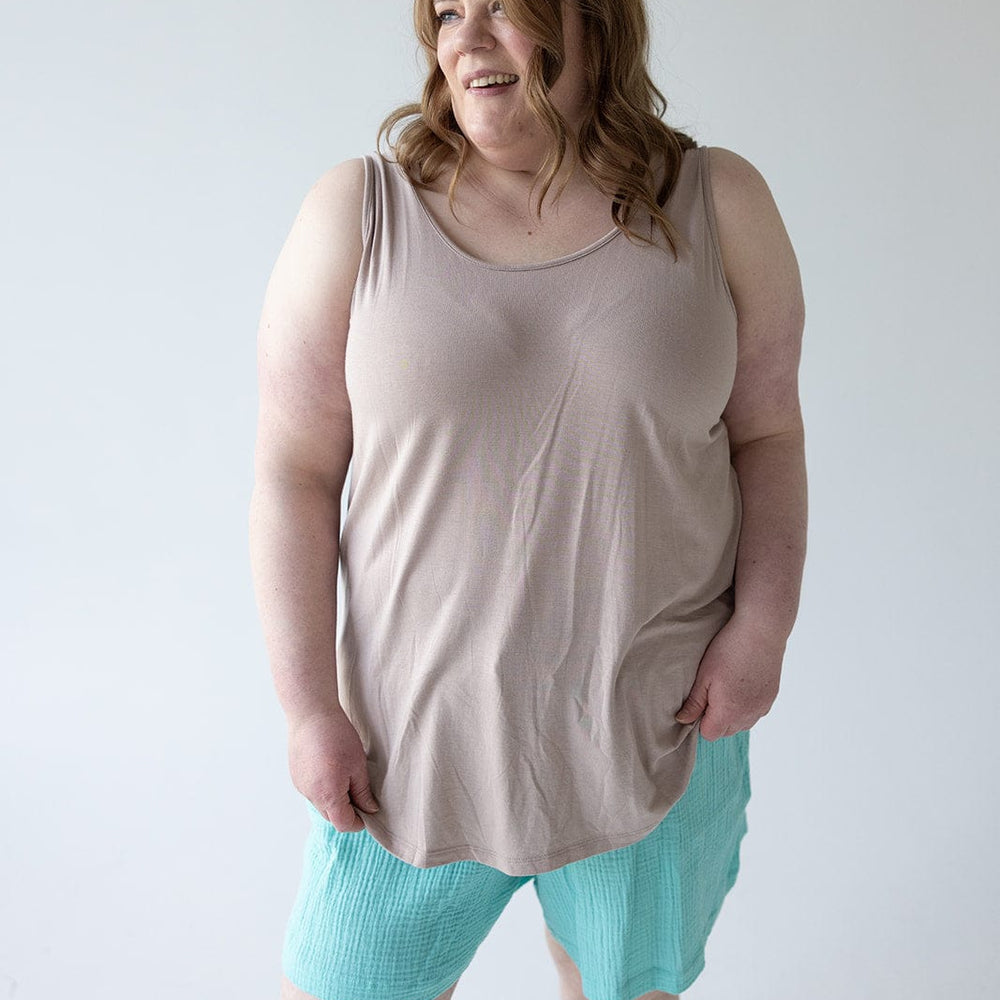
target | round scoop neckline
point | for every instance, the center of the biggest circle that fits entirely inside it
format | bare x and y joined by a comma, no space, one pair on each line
455,248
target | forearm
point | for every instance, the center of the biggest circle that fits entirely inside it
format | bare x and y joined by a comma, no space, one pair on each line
772,546
294,552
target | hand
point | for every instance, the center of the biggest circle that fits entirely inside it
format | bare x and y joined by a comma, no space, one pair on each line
737,679
328,766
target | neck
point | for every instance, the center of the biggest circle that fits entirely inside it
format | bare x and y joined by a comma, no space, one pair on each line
507,180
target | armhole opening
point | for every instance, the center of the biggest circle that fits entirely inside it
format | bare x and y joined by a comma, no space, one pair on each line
366,201
367,215
709,200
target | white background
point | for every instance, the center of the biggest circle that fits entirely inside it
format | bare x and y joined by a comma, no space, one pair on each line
154,157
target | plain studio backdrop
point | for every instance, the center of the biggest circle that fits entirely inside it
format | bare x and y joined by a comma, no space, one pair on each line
154,156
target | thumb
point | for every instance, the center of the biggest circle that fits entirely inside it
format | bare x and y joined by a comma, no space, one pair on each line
694,705
365,799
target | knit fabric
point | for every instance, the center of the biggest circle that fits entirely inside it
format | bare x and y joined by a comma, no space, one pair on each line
541,530
367,926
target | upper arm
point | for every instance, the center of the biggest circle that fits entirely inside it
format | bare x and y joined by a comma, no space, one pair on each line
763,276
304,428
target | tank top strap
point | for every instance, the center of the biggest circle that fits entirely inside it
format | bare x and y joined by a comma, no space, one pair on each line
392,230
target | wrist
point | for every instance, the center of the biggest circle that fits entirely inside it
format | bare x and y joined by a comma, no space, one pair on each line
305,716
765,622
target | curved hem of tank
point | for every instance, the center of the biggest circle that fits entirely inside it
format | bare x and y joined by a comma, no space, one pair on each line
520,867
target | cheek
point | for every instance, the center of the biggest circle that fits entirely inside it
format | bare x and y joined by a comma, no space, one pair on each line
519,46
445,52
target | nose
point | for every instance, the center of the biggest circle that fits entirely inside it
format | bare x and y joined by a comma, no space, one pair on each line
474,33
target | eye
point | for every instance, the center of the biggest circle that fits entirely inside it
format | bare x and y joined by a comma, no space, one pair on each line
447,16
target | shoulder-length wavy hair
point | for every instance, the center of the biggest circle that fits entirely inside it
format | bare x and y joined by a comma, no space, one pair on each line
622,129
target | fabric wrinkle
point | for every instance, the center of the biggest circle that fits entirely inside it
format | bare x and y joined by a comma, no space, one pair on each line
541,530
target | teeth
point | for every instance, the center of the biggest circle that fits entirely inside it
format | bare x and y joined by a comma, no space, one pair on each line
485,81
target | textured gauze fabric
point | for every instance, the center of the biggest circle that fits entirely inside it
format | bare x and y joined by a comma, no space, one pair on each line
541,528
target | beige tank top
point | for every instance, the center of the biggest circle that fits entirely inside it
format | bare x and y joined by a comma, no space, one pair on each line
541,530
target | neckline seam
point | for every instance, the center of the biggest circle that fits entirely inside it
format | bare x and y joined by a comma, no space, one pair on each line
451,245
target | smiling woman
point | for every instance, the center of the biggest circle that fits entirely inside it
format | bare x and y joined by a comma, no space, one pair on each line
557,342
582,94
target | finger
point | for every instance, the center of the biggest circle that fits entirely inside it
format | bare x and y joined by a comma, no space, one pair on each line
364,797
695,704
340,812
710,728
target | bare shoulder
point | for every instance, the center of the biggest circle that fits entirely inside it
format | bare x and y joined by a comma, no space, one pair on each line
752,233
729,168
303,329
762,271
337,194
315,262
329,218
735,180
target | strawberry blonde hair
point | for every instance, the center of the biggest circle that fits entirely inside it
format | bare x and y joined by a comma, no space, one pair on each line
622,129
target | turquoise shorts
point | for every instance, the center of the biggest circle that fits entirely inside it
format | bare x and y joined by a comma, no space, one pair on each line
367,926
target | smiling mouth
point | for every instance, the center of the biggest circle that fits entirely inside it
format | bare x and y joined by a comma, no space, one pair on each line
497,82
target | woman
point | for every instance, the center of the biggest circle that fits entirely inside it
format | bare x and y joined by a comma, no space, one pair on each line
576,527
